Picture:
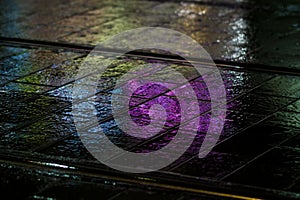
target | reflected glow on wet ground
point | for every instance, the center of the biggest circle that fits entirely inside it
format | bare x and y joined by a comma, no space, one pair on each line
260,137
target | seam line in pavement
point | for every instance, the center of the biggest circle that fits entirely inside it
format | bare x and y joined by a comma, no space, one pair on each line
29,43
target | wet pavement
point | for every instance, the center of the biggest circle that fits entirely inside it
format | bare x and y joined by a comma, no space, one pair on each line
256,46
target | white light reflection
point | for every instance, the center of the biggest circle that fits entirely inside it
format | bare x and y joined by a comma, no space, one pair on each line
52,165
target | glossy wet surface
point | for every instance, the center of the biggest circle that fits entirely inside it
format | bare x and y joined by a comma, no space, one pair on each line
258,152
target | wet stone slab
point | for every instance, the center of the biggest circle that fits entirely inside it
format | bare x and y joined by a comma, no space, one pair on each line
17,87
285,119
239,82
6,51
277,33
74,148
6,79
41,133
293,142
32,60
286,86
55,75
71,147
115,135
255,140
295,107
63,93
259,103
22,20
276,169
236,121
16,112
213,166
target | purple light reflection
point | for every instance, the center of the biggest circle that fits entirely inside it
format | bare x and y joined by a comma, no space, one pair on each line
140,105
141,108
